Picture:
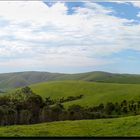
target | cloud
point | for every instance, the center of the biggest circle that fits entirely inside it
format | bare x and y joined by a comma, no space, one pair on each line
38,35
136,4
138,15
29,11
121,2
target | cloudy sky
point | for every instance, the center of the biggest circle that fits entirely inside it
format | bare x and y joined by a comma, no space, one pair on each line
69,37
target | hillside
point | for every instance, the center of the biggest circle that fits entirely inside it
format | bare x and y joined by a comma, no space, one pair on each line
126,126
19,79
13,80
94,93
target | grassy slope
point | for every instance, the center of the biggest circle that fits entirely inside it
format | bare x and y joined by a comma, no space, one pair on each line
94,93
126,126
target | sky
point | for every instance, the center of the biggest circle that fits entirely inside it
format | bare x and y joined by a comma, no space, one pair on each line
70,37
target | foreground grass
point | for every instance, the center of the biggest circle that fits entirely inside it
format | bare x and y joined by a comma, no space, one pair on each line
94,93
126,126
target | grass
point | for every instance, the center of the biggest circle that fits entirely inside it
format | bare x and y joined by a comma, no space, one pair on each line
126,126
94,93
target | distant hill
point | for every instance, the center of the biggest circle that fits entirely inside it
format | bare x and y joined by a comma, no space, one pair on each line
105,77
19,79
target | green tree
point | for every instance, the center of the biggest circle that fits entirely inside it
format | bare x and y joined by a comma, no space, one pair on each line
75,112
117,108
109,108
45,114
25,117
2,115
27,90
56,111
34,104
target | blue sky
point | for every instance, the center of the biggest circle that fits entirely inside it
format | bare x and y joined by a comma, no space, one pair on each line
70,37
123,10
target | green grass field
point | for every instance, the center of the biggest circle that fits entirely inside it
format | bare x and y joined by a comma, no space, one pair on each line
126,126
94,93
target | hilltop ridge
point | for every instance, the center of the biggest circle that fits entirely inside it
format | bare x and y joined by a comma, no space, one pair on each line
19,79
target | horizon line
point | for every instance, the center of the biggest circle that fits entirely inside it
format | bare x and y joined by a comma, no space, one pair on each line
68,72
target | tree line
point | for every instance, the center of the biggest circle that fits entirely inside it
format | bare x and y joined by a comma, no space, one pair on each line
26,107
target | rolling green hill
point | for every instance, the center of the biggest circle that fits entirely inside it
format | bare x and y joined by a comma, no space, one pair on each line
19,79
126,126
94,93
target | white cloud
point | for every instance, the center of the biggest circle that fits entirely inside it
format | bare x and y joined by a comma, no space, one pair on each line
138,15
136,3
121,2
40,35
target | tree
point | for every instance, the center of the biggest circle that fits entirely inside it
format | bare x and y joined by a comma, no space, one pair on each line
26,90
63,115
109,108
34,104
56,111
101,107
25,117
75,108
75,112
45,114
123,103
2,115
138,104
124,106
117,108
10,116
124,109
49,101
131,105
4,100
